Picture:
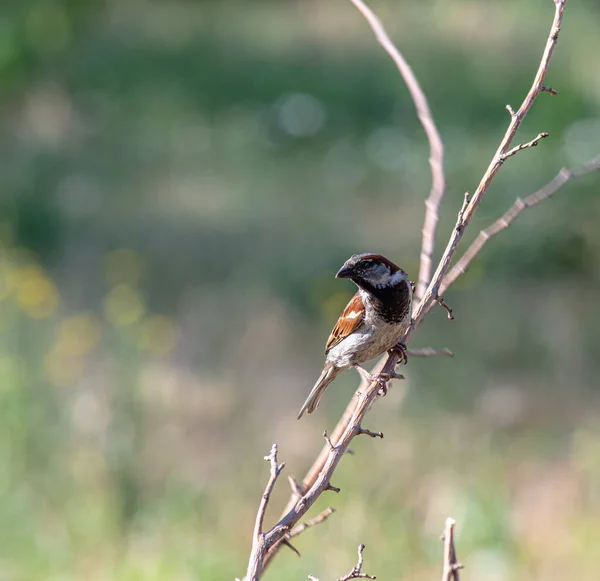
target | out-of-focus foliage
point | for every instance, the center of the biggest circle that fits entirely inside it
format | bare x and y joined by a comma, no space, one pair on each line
180,181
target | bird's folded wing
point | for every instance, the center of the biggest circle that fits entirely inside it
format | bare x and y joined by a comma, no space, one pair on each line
350,320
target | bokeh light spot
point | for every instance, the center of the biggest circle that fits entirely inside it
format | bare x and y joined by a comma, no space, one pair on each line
158,334
122,266
7,276
61,369
123,306
79,334
36,294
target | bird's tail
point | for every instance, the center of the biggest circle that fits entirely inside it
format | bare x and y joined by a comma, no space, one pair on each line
314,397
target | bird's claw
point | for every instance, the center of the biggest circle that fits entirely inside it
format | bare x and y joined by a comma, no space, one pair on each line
400,350
383,379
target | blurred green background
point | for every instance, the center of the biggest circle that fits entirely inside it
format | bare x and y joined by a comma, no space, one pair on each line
180,182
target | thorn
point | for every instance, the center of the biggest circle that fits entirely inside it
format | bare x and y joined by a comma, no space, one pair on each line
549,90
443,304
332,488
328,440
362,431
511,111
290,546
296,488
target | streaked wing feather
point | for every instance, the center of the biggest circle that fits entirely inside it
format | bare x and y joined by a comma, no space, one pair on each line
350,320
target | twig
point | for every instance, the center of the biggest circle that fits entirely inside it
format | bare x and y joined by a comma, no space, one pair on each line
328,440
255,563
451,565
362,431
436,146
522,146
317,480
264,501
296,489
563,176
286,543
549,90
430,352
321,517
356,572
443,304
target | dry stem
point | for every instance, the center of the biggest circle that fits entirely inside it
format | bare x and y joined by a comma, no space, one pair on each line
436,146
451,566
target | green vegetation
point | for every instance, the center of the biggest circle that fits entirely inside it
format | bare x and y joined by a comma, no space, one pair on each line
180,182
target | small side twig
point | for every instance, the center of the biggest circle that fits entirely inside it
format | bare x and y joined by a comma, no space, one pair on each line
321,517
522,146
451,566
328,440
430,352
440,300
362,431
296,488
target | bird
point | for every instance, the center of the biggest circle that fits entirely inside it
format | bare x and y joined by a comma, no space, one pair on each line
373,322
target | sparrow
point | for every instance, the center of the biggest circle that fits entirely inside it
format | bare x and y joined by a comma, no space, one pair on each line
373,322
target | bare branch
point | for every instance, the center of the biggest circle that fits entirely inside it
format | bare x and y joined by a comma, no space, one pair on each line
563,176
522,146
321,517
255,563
436,146
451,565
262,509
430,352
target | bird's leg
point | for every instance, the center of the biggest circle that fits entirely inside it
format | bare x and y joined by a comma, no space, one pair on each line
381,378
400,350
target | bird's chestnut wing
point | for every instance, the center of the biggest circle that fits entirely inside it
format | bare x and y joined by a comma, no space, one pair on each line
350,320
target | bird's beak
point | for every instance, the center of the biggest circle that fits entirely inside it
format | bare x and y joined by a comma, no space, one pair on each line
345,272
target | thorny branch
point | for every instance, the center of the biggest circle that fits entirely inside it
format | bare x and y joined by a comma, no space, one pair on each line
436,146
563,176
267,544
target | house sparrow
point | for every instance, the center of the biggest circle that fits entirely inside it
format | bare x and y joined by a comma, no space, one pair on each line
374,320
